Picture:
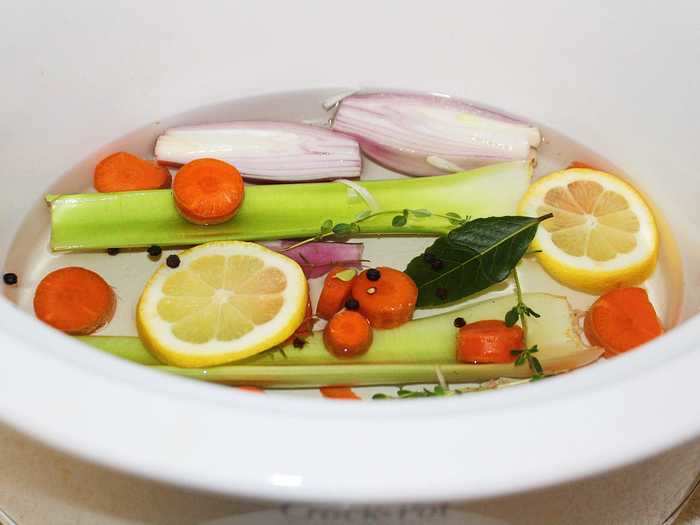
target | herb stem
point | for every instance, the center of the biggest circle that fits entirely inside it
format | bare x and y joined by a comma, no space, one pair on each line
521,311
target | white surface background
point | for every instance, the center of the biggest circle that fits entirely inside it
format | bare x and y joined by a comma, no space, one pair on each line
40,486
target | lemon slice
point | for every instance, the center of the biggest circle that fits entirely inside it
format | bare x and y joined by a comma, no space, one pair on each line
225,301
602,234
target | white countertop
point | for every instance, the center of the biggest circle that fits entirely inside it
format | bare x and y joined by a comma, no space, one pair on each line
40,486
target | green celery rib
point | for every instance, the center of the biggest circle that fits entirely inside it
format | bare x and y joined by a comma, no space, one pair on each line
428,340
375,374
142,218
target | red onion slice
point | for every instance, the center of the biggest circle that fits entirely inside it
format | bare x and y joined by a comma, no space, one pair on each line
432,134
265,150
318,258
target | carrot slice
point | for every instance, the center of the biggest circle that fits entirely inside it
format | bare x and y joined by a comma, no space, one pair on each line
621,320
334,293
123,171
584,165
305,328
338,392
74,300
208,191
252,389
347,334
489,341
388,301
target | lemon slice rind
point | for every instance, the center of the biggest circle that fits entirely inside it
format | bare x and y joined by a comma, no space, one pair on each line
160,337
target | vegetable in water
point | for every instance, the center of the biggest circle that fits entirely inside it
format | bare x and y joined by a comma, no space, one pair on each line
622,320
208,191
473,257
422,134
336,291
139,219
348,334
261,150
387,296
126,172
318,258
74,300
427,341
488,341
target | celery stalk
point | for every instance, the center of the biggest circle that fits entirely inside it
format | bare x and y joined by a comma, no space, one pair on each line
142,218
301,376
411,351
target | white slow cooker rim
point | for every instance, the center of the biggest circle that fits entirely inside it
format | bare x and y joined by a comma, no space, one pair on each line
663,363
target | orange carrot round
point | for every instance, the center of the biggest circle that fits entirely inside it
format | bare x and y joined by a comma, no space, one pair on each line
388,300
338,392
208,191
581,165
74,300
347,334
252,389
305,328
126,172
489,342
621,320
334,293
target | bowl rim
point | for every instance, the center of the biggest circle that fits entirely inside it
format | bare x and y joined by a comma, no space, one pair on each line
394,443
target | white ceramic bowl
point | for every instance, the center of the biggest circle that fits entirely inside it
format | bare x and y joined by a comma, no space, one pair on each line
620,79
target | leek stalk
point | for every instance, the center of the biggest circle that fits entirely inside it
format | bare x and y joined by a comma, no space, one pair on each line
143,218
401,355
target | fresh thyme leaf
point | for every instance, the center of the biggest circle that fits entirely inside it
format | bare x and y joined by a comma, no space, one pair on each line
531,313
475,255
536,365
327,226
342,228
346,275
512,316
380,396
421,213
398,221
454,218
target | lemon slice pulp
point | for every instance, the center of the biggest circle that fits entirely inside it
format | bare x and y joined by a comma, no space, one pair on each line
224,302
602,234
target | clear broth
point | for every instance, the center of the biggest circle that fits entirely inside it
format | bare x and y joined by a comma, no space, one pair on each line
31,258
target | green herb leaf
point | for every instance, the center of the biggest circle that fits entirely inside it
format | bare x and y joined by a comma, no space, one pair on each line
454,218
512,316
421,213
380,396
363,215
327,226
346,275
536,365
342,228
398,221
476,255
531,313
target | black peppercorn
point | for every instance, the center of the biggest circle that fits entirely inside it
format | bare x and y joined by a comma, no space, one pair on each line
173,261
352,304
10,278
459,322
441,293
428,257
437,265
112,251
373,274
298,342
154,251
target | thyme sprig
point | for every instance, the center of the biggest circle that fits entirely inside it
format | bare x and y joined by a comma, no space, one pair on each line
521,312
343,230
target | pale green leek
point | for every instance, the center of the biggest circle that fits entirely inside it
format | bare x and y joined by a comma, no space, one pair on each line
142,218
